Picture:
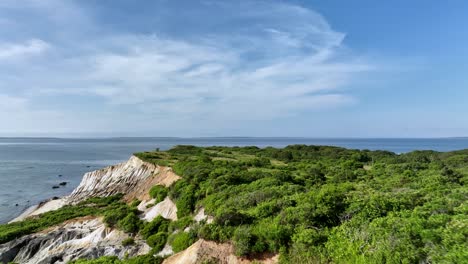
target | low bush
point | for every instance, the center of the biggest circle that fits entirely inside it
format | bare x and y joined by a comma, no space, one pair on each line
92,206
130,223
143,259
180,224
157,225
128,242
157,241
181,241
158,192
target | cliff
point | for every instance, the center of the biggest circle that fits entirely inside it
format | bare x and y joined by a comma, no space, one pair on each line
133,178
81,238
204,251
89,237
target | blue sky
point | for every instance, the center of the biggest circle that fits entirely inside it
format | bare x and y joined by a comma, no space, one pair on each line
233,68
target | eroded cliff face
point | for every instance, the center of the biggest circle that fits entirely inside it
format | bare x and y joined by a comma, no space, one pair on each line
204,251
80,238
166,209
133,178
89,237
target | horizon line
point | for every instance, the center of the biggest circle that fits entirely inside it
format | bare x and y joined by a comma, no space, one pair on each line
223,137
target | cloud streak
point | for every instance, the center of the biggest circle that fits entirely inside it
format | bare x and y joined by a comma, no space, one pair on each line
271,60
20,50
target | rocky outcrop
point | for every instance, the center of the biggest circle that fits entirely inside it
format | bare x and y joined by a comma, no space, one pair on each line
80,238
89,237
133,178
201,216
41,208
204,251
166,209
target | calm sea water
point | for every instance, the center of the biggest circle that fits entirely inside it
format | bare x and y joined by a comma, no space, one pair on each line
30,167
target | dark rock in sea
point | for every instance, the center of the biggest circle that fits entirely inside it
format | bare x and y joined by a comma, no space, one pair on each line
16,204
55,187
55,198
63,183
88,166
60,175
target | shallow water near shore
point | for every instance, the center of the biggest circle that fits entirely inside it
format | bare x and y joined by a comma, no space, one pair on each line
30,167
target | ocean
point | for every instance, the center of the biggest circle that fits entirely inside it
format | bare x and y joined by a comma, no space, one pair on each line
29,167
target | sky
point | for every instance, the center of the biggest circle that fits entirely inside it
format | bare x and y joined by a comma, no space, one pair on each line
204,68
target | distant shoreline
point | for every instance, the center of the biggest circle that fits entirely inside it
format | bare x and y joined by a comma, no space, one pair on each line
234,137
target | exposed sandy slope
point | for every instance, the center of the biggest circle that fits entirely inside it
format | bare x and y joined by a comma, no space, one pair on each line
207,251
200,216
133,178
86,237
41,208
166,209
89,238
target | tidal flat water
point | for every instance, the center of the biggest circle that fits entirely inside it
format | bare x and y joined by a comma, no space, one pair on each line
29,167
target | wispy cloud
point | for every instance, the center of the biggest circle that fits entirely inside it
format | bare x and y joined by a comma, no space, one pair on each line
15,50
270,60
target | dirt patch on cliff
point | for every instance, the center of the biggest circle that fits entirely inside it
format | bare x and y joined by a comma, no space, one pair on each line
204,251
162,176
166,209
264,258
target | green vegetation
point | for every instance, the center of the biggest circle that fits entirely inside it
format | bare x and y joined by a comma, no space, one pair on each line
144,259
182,240
318,204
128,242
310,204
92,206
157,241
158,192
158,225
130,223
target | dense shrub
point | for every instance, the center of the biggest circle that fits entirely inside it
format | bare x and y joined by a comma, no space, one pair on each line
135,203
143,259
157,225
130,223
113,216
128,242
311,204
158,192
157,241
243,240
180,224
215,232
186,201
181,241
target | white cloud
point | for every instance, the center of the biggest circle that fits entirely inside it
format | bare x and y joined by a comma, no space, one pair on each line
19,50
289,61
272,60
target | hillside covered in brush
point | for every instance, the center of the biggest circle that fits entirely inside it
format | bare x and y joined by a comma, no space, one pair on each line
302,204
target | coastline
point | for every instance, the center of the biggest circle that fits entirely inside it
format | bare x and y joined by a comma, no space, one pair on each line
53,203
